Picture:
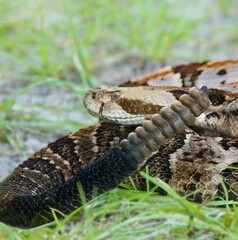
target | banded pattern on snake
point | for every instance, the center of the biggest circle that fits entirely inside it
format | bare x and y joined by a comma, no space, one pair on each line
49,178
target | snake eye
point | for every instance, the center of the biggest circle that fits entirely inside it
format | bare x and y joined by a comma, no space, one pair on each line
115,95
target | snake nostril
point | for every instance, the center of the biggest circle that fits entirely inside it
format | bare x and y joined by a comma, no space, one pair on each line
93,94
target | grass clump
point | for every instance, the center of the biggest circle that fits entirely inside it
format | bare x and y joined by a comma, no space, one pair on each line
126,214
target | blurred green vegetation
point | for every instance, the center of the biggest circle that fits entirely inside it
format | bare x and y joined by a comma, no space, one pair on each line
61,43
42,42
61,40
55,38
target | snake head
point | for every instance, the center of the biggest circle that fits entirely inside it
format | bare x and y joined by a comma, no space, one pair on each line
109,103
127,105
103,102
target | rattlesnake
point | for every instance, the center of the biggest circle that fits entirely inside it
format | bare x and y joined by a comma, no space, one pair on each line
193,161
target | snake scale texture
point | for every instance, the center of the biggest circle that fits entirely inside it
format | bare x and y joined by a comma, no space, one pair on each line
193,159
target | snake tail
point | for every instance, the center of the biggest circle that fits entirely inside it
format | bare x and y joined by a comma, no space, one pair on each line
171,121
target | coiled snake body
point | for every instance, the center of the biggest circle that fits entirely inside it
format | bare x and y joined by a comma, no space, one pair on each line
192,161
